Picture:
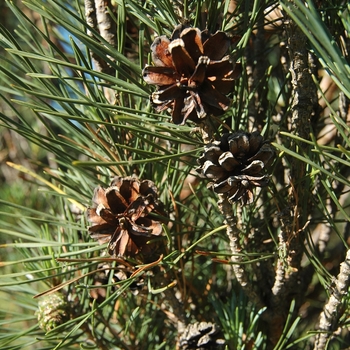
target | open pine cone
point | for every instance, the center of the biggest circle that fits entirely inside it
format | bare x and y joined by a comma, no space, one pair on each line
237,165
192,75
122,216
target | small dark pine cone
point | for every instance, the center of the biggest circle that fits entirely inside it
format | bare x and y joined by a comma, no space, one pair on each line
192,75
201,335
237,165
122,216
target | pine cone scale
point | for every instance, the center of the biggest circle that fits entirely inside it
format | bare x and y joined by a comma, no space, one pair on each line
191,38
161,76
216,46
182,61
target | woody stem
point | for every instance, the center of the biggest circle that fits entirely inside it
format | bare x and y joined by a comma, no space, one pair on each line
233,233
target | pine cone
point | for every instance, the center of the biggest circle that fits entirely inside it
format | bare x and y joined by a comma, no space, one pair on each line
52,311
237,164
201,335
122,216
192,75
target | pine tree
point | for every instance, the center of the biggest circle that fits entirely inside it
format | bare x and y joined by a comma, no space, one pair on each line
175,174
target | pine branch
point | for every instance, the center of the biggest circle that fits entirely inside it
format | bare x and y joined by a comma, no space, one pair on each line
233,234
256,71
293,223
302,107
176,314
45,73
329,318
99,19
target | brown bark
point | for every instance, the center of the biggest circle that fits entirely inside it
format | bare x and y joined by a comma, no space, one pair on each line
288,279
233,233
332,311
98,18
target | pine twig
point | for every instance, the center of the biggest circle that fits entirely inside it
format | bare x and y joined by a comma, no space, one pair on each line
332,310
256,73
98,18
294,221
280,279
279,301
174,308
178,315
238,268
304,99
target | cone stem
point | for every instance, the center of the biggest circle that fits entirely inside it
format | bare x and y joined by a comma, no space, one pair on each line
233,233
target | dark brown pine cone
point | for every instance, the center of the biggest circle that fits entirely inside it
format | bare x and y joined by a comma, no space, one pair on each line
192,75
122,216
201,335
237,164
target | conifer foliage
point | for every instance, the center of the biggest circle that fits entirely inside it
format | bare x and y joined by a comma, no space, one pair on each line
175,174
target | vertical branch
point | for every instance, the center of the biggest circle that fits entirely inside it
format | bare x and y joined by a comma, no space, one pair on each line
178,312
105,23
233,234
304,99
173,306
302,107
90,15
256,74
294,219
331,313
99,19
